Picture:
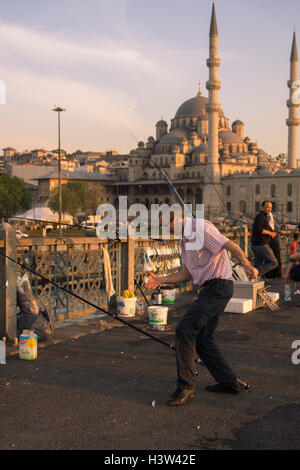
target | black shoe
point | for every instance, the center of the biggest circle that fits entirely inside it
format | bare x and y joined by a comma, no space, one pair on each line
224,388
180,396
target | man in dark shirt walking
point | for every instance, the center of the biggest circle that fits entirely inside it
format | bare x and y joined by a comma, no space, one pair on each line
262,233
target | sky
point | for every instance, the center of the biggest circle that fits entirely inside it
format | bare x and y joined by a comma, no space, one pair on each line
119,66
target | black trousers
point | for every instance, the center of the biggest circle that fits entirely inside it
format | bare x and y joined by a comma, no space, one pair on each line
264,259
275,246
195,332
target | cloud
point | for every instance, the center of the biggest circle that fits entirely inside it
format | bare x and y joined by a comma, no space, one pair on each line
109,88
58,50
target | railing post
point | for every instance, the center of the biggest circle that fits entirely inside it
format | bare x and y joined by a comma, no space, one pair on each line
131,265
246,238
127,262
8,283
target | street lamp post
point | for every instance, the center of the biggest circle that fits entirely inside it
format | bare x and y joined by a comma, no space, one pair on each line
59,110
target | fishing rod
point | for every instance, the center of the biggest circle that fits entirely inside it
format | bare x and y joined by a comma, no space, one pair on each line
112,315
91,304
73,226
50,222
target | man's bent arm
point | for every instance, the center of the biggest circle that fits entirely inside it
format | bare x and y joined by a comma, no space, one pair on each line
237,252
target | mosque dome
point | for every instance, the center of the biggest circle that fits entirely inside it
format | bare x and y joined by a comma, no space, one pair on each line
161,123
174,137
229,137
281,173
238,122
263,171
202,148
193,107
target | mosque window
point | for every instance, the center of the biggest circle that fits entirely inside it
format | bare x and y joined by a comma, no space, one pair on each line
257,206
228,205
257,189
242,207
273,190
228,191
198,196
289,189
289,206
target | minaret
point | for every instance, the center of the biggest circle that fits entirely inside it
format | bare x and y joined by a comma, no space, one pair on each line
213,108
293,104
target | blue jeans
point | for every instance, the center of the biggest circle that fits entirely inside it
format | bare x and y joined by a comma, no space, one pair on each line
195,331
264,259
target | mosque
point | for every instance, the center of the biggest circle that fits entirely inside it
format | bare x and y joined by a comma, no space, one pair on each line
212,162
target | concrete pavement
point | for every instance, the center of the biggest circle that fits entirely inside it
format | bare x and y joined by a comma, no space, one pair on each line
95,384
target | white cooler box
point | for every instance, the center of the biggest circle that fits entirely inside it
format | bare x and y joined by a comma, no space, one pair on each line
239,306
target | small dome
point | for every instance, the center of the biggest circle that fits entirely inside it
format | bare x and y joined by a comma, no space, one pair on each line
175,136
281,173
141,145
263,171
238,122
151,139
229,137
202,148
162,123
247,140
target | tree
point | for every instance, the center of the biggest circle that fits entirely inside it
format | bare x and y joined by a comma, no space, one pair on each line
14,196
72,198
93,198
282,159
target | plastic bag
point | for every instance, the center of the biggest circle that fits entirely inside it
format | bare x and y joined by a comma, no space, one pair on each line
25,299
42,324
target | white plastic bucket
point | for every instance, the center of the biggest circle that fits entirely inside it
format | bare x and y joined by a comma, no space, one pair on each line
126,307
168,296
158,316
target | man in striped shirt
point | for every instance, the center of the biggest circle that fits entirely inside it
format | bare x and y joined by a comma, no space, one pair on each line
209,266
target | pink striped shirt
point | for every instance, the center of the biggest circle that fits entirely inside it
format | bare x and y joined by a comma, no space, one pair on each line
209,262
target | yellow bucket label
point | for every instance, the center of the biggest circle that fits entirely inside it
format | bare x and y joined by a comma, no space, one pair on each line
31,343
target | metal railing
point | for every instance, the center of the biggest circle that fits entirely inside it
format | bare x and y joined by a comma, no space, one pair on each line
77,265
